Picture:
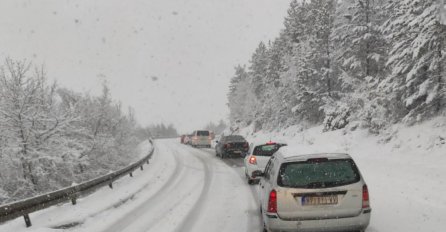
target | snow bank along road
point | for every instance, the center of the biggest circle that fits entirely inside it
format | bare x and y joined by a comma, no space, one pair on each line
183,189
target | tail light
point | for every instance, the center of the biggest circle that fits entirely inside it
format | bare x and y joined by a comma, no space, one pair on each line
252,160
195,138
227,145
365,197
245,145
272,202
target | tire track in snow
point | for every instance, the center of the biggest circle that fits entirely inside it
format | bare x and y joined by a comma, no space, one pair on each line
192,216
133,215
255,221
179,197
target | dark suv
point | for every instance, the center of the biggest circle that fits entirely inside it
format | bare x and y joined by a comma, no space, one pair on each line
231,145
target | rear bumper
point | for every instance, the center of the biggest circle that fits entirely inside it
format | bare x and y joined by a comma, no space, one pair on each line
360,222
201,143
236,151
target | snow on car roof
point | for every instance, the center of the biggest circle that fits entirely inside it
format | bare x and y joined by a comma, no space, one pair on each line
306,152
259,143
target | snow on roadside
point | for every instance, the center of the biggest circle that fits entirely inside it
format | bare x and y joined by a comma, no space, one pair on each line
143,149
404,167
103,199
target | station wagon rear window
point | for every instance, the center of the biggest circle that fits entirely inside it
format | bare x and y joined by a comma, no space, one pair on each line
266,150
202,133
235,138
322,173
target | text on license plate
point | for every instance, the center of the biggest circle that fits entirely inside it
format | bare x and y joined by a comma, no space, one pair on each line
320,200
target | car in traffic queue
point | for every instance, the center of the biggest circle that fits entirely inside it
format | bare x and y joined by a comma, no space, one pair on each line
257,158
313,192
201,138
182,139
231,145
187,139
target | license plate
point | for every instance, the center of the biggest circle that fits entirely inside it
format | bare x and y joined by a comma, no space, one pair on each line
320,200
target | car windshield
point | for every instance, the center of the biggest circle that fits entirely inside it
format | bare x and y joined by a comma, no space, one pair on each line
266,150
202,133
235,138
318,174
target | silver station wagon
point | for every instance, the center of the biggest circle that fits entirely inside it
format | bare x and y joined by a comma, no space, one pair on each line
313,192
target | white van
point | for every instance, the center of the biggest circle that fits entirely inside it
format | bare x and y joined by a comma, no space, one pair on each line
201,138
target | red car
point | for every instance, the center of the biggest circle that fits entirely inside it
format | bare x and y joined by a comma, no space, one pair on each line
182,139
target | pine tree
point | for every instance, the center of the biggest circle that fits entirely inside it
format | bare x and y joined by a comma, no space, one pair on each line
416,84
241,99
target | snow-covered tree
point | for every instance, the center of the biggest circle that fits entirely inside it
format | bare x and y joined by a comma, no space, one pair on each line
52,137
378,61
416,84
241,99
361,46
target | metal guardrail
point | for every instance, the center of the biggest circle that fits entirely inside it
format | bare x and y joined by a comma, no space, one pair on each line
25,207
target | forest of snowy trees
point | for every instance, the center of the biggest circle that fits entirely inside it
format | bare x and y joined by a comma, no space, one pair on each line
216,128
52,137
157,131
377,62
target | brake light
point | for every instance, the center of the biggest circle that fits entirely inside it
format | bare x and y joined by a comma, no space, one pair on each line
270,143
272,202
365,197
227,145
245,145
252,160
195,138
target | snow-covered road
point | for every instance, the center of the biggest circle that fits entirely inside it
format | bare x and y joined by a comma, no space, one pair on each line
183,189
201,193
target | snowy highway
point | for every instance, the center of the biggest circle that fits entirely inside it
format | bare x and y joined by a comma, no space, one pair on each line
189,189
182,189
201,193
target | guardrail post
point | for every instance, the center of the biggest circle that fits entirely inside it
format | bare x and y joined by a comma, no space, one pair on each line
142,167
73,200
27,220
131,174
110,185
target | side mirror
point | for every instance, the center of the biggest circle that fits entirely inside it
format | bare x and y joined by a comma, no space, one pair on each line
257,173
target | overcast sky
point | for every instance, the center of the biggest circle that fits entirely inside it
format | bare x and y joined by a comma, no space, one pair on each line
171,60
